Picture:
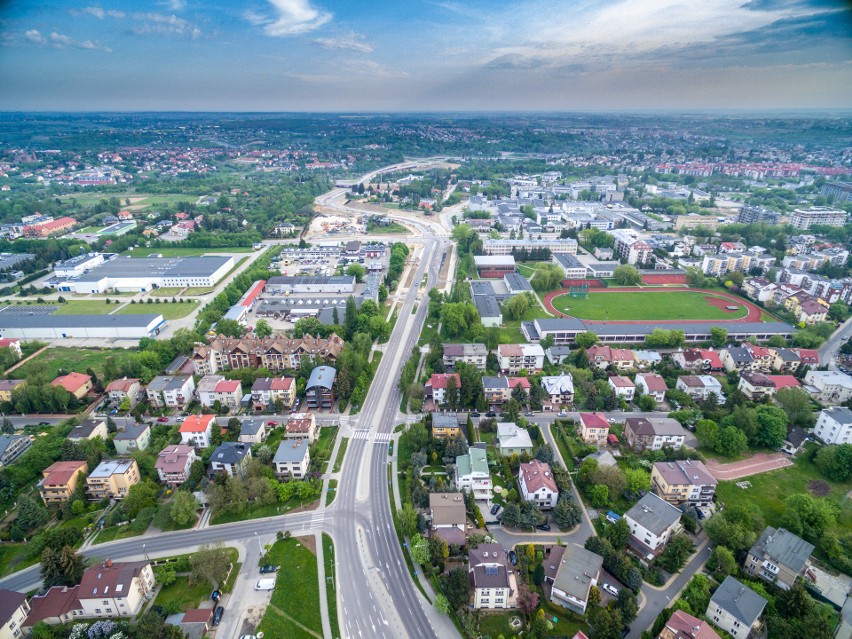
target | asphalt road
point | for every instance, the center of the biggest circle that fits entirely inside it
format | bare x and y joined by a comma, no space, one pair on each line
832,345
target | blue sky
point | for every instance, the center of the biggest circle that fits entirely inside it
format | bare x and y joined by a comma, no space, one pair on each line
425,55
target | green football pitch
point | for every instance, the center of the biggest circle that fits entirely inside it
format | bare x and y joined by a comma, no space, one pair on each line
647,305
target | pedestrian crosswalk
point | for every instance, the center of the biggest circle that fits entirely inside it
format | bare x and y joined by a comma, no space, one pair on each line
377,438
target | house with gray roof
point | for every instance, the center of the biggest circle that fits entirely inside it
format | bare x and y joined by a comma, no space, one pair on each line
735,608
512,439
489,310
472,474
516,283
12,447
779,557
89,429
319,391
653,522
571,572
292,458
229,458
132,437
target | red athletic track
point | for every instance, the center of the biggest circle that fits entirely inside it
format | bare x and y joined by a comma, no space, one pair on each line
756,464
753,315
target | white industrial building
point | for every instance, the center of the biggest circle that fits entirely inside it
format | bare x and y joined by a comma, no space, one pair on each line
23,326
294,284
144,274
76,266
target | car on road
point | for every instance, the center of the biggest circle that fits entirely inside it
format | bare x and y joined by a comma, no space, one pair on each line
474,415
491,413
513,558
267,568
271,423
545,527
495,508
217,616
162,420
611,589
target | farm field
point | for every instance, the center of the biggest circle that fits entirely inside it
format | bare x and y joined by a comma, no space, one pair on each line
168,311
647,305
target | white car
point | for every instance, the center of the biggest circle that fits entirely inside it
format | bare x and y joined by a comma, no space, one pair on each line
611,589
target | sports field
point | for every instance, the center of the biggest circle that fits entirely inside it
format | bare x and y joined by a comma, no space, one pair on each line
649,305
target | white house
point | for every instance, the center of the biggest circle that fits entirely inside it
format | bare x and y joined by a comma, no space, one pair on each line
512,439
834,425
514,357
652,522
652,385
196,430
622,386
538,484
735,608
472,474
115,589
292,458
559,390
173,391
831,387
494,584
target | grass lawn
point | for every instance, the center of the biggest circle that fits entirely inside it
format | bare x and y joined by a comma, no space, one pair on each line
330,584
769,490
258,512
85,307
332,491
13,557
168,311
182,595
341,453
197,290
181,251
325,442
297,588
114,533
166,291
645,305
68,359
278,626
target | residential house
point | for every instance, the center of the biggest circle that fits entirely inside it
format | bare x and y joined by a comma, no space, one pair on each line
834,425
174,464
471,474
229,458
756,386
276,353
12,343
652,385
794,440
735,608
60,604
807,356
293,458
736,358
448,518
785,360
228,392
7,386
498,390
571,572
700,387
682,625
13,612
605,356
653,522
759,288
514,358
445,425
12,447
652,433
647,359
131,438
594,428
491,578
252,430
77,384
301,426
698,360
115,589
60,480
111,479
172,391
761,356
779,557
559,390
319,391
196,430
269,391
811,312
683,482
557,355
474,354
622,387
125,389
830,387
89,429
538,484
436,387
512,439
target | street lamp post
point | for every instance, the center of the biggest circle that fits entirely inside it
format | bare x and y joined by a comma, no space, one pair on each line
145,553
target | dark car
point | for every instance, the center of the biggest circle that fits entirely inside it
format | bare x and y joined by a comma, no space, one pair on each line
474,414
495,508
545,527
513,558
267,568
215,595
491,413
217,615
625,632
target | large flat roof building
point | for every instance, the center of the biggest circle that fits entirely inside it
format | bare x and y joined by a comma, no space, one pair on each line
45,326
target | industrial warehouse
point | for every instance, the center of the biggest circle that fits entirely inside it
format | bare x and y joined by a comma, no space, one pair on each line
34,325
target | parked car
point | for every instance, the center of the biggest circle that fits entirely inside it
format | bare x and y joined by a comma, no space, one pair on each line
491,413
611,589
513,558
271,423
495,508
162,420
217,616
474,415
545,527
267,568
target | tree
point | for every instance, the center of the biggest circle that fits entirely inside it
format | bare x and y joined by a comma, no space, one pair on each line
31,513
357,271
599,496
647,403
618,533
731,442
183,507
607,624
408,520
771,427
676,553
627,275
527,600
210,563
538,574
626,604
230,328
419,550
262,328
838,312
451,393
547,277
797,405
722,563
458,588
585,340
442,604
637,479
63,567
566,513
815,514
718,336
515,307
835,462
141,495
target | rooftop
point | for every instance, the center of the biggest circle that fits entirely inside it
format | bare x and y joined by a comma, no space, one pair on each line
783,547
576,570
654,514
291,450
738,600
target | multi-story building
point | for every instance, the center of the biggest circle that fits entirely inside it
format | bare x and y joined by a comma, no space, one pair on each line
834,425
683,482
228,392
559,390
436,387
12,447
652,522
698,360
293,458
735,608
274,353
89,429
756,386
538,485
132,437
631,248
448,518
652,385
123,389
253,430
174,464
492,580
229,458
196,430
445,425
832,387
779,557
622,386
115,589
13,612
817,216
301,426
653,433
172,391
509,247
516,357
268,391
594,428
755,214
605,356
572,571
682,625
60,480
472,474
498,390
319,391
111,479
475,354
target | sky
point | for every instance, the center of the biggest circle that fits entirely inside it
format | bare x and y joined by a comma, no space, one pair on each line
425,55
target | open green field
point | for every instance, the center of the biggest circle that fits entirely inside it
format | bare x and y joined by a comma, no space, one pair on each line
169,311
180,595
137,200
67,359
85,307
183,251
645,305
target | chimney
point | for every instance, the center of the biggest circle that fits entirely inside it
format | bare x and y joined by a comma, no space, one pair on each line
109,563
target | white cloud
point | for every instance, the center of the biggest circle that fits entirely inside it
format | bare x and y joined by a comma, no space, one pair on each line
34,35
289,18
348,42
60,41
174,5
97,12
164,25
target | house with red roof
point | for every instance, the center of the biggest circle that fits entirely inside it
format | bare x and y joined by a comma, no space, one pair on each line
77,384
14,344
652,385
605,356
698,360
538,484
684,626
622,386
196,430
436,387
594,428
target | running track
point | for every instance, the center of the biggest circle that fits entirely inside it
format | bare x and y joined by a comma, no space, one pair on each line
754,465
754,313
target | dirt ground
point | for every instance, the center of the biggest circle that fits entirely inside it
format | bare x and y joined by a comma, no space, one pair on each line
309,542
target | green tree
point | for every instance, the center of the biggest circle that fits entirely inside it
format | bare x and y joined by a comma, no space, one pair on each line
585,340
442,604
815,514
835,462
607,624
731,442
458,588
183,508
647,403
515,307
357,271
771,427
547,277
63,567
262,328
718,336
31,513
419,550
210,563
599,496
797,405
408,520
617,534
627,275
230,328
722,563
141,495
566,513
